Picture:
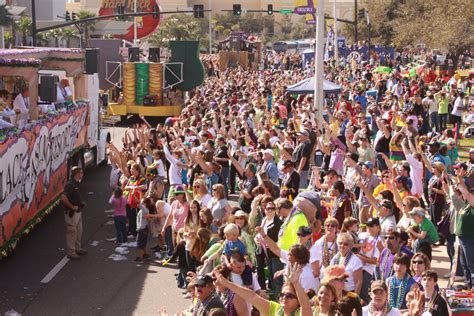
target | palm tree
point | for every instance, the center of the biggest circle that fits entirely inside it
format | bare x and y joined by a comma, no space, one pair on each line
6,18
69,33
57,34
24,26
86,28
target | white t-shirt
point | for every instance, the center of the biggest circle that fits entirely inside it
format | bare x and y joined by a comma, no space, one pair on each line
387,223
416,175
404,223
393,312
353,265
316,252
307,280
237,279
23,105
458,107
371,251
160,167
175,170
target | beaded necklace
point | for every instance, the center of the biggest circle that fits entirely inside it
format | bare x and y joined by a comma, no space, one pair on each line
328,252
431,302
337,258
385,263
402,288
202,306
386,309
280,311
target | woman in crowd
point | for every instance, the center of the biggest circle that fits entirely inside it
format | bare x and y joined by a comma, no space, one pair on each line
419,264
347,258
200,193
219,205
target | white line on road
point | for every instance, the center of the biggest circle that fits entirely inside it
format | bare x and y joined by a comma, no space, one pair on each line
51,274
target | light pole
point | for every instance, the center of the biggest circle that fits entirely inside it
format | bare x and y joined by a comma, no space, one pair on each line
318,64
135,40
336,47
210,27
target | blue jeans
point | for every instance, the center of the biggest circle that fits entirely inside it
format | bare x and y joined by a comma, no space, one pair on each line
434,122
467,248
304,179
443,121
121,228
225,179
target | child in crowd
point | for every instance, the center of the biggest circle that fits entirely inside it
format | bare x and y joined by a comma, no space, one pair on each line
233,244
426,234
147,209
119,203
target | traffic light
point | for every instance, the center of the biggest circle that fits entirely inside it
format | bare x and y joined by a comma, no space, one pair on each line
198,10
237,9
156,13
68,16
74,16
270,9
361,14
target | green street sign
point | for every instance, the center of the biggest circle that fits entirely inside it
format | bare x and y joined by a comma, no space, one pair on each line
286,11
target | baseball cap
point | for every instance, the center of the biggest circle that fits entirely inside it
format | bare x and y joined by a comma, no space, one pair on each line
369,164
460,165
288,163
417,211
378,285
373,221
387,204
178,190
304,230
268,152
203,280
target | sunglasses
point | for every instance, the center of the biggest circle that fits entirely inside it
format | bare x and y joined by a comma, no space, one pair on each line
331,225
288,295
196,186
389,237
341,279
418,262
200,286
240,217
303,235
343,243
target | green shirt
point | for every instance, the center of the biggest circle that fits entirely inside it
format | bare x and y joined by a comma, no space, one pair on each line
289,237
465,222
430,229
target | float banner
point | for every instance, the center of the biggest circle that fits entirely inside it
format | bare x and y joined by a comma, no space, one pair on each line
33,171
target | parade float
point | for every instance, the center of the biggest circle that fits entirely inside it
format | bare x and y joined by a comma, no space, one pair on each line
37,157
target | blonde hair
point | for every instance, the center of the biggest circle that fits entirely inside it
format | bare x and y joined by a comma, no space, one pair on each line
202,187
232,229
439,166
220,190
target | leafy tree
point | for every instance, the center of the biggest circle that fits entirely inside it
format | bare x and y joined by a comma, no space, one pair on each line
55,34
86,28
6,18
68,34
8,37
24,26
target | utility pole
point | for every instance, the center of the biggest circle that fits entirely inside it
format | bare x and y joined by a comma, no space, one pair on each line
368,31
33,21
336,46
135,31
210,26
356,20
318,97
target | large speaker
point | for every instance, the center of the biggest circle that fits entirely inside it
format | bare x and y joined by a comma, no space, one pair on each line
154,54
133,54
92,60
48,88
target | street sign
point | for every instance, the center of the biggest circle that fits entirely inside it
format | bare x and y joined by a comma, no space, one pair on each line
286,11
304,10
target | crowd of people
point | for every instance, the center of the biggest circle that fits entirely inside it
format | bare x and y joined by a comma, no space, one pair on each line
266,209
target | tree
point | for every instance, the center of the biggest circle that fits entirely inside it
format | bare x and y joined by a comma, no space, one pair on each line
8,37
438,24
56,34
69,33
285,28
6,18
85,28
181,27
24,26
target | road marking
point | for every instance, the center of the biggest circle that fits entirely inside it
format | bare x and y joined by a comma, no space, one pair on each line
51,274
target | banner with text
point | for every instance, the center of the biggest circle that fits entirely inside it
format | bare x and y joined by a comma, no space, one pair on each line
33,168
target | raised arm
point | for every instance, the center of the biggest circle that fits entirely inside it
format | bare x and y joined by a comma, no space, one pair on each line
370,197
270,243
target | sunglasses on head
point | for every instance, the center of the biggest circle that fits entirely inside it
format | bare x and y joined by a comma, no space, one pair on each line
271,208
288,295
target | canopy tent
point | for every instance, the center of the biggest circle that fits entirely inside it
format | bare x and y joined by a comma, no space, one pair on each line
307,87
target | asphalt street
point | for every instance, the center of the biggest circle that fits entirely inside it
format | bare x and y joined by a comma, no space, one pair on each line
94,285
